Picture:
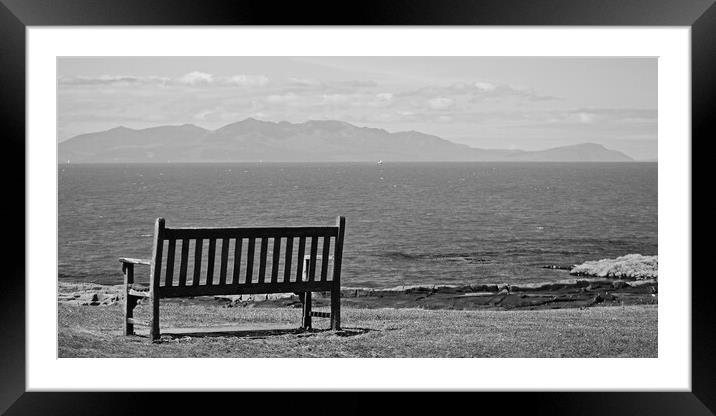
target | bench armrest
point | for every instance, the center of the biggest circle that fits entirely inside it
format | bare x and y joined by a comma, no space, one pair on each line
135,261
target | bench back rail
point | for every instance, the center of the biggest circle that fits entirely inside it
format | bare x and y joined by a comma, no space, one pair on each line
220,261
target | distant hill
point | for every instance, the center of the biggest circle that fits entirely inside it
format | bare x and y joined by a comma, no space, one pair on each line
586,152
317,141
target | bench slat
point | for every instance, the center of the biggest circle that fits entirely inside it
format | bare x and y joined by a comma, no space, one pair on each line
210,262
250,232
324,259
250,260
169,278
312,264
184,261
299,259
197,261
287,261
276,259
262,259
237,260
224,260
157,254
216,290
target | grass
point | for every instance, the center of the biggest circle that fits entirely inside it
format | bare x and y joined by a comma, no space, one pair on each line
629,331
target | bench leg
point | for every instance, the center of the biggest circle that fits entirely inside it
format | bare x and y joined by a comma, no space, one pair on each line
336,309
306,297
130,302
155,319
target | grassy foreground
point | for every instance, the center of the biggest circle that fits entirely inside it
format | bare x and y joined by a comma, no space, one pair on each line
628,331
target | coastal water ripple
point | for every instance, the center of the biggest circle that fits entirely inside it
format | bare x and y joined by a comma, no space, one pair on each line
407,223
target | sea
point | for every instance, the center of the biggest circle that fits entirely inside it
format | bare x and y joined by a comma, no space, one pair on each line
406,223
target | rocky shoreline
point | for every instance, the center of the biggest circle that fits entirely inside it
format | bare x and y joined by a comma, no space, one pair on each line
563,294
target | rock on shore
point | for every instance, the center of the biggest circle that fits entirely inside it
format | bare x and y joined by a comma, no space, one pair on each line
556,295
89,294
635,275
631,266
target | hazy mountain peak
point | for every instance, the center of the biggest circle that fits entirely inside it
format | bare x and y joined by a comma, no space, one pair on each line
314,140
120,128
583,152
251,120
328,124
589,145
248,125
184,127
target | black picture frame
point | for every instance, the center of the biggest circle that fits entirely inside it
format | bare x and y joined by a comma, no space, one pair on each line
16,15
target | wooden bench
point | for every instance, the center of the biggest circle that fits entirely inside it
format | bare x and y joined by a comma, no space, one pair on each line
179,268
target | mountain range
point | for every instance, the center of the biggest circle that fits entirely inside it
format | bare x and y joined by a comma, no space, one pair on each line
315,141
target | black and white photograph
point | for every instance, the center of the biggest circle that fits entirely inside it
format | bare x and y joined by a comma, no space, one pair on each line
357,206
472,197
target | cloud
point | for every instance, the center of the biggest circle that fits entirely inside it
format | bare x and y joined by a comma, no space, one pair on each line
218,114
303,82
334,99
118,80
363,83
283,99
486,86
196,77
202,115
477,91
248,80
193,79
622,120
440,103
609,115
596,119
586,117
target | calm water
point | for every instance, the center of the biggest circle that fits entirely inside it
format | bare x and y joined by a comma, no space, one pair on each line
407,223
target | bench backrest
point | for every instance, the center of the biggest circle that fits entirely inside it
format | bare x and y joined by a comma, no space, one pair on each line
223,261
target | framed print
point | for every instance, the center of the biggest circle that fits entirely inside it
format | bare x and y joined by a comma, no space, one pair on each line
415,197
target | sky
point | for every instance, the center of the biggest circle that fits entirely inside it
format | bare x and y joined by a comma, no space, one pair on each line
529,103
